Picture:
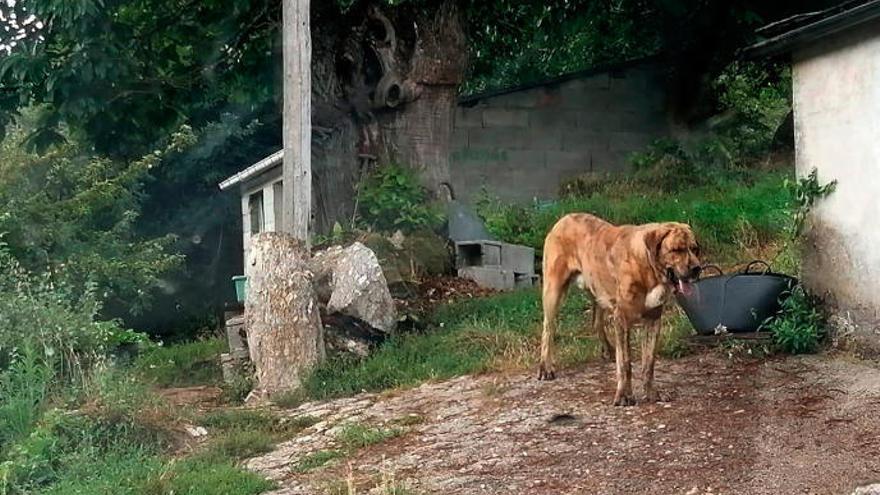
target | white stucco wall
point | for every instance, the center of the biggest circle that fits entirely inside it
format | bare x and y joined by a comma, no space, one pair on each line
836,95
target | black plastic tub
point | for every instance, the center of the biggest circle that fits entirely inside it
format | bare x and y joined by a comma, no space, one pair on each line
739,302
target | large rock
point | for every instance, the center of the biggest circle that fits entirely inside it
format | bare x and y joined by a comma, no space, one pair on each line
350,281
414,257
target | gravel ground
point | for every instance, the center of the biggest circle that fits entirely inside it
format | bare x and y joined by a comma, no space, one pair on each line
799,425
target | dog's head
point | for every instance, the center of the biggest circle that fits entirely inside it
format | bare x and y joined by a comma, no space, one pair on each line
675,253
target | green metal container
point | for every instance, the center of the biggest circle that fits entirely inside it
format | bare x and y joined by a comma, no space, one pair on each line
240,282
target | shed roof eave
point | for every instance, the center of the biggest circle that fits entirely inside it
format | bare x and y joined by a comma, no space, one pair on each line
787,41
254,170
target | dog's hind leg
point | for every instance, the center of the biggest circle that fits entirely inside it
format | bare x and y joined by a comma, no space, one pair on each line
553,293
599,314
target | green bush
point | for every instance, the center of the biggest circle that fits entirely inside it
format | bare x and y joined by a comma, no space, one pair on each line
71,213
799,326
754,99
391,198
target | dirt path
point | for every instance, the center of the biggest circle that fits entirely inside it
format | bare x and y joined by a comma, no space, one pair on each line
784,426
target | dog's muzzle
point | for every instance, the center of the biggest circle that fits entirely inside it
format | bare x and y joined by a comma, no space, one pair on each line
682,285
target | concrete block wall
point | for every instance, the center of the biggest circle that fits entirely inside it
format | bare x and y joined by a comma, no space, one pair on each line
521,144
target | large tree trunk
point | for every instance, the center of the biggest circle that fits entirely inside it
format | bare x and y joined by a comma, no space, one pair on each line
420,132
285,336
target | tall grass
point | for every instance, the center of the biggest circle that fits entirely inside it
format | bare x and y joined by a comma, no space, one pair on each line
723,214
73,422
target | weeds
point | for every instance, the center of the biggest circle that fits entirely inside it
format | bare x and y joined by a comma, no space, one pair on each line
240,443
673,340
391,198
316,459
805,192
356,435
193,363
242,433
799,326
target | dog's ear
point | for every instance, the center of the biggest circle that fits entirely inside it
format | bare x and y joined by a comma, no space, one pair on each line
654,239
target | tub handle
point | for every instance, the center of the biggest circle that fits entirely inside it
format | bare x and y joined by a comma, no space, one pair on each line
748,268
711,267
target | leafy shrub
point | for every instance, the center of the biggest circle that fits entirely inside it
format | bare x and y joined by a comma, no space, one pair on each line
391,198
72,214
49,343
755,98
799,326
55,320
753,101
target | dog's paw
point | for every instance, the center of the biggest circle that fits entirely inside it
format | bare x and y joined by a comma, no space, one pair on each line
624,400
546,372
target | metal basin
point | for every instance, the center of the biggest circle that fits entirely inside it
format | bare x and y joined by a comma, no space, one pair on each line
739,302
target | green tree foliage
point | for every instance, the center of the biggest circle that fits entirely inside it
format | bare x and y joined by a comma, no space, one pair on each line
517,42
128,73
70,213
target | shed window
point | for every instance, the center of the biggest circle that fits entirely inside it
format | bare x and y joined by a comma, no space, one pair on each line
255,205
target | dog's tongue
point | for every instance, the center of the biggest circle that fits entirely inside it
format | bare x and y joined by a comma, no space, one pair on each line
684,287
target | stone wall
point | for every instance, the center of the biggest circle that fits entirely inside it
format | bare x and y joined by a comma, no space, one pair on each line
521,143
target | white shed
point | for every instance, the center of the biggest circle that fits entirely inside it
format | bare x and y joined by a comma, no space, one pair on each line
835,57
261,197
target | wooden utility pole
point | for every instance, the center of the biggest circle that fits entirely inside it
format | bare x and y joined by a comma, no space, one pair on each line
285,335
297,166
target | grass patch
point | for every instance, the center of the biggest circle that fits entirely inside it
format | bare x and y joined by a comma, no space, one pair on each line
356,435
140,473
303,422
673,339
727,216
202,477
290,399
240,444
193,363
317,459
241,433
227,419
409,420
498,332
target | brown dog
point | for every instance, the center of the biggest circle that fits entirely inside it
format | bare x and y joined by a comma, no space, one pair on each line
631,270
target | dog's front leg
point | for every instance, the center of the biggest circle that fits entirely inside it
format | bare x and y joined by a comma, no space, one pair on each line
649,355
624,394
